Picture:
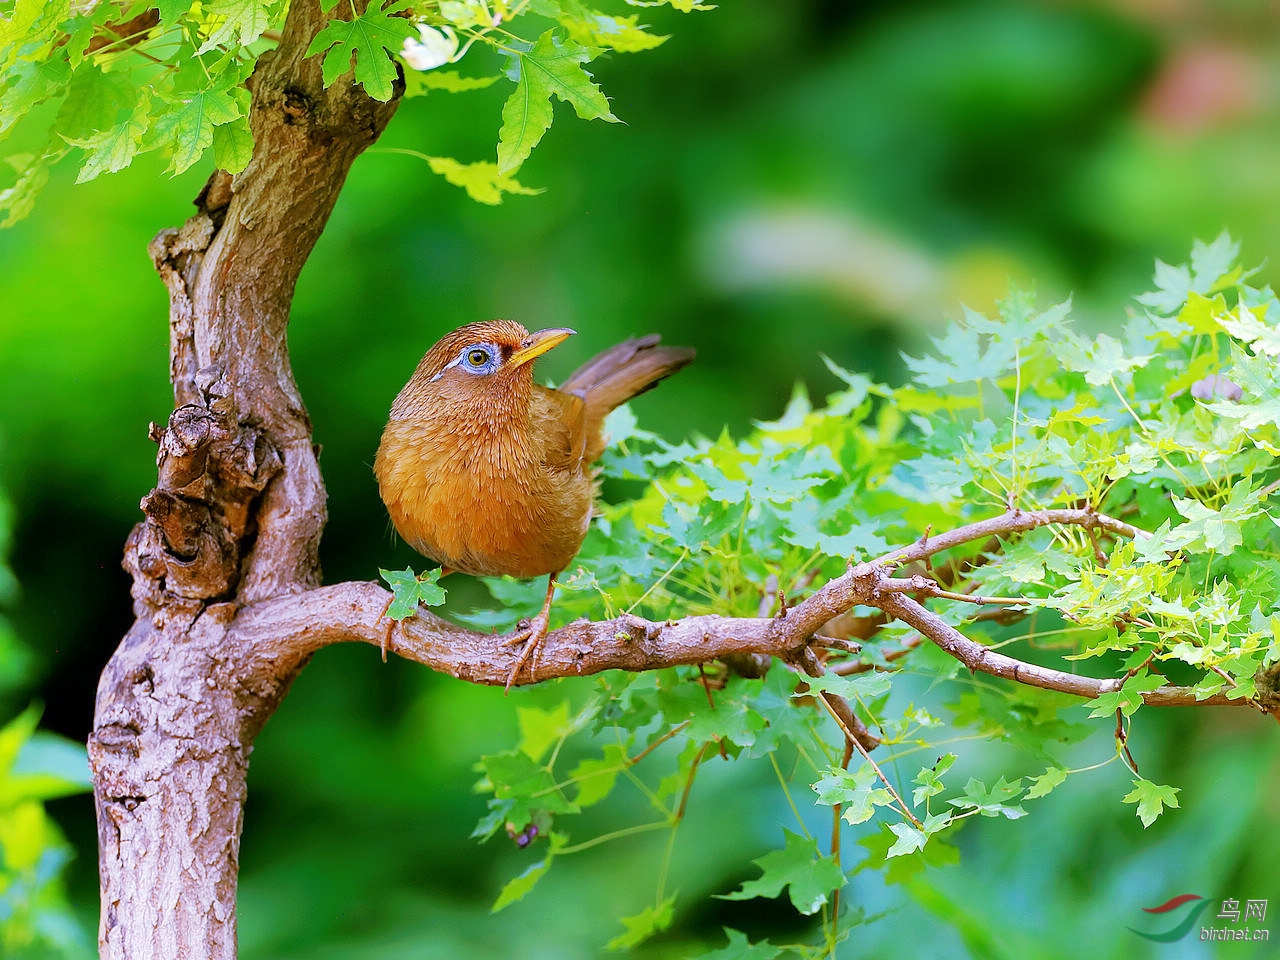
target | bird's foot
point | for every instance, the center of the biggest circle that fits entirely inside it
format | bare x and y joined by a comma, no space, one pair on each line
391,626
531,633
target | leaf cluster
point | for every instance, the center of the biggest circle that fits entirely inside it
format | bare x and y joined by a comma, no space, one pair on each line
114,80
1168,421
109,81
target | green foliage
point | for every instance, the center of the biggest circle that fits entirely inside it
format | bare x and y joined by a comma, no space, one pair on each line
35,766
808,876
409,589
551,67
1017,411
35,917
364,40
1151,799
643,925
116,80
739,948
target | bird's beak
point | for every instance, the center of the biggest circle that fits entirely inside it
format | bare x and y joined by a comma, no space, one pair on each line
538,343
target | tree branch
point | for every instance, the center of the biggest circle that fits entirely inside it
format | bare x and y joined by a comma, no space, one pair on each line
283,631
983,660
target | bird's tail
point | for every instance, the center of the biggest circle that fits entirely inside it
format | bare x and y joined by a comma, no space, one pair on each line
615,376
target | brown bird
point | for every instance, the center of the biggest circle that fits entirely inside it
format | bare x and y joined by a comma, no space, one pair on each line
490,474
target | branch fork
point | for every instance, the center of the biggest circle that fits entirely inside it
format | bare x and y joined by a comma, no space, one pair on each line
289,629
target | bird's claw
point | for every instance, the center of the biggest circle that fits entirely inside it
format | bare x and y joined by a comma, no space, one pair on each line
532,633
522,631
391,625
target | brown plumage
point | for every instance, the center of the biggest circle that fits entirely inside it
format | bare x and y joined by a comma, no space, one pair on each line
487,472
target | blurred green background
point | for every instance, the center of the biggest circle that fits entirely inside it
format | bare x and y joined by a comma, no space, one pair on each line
793,179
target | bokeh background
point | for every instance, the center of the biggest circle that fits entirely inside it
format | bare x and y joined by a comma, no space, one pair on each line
793,179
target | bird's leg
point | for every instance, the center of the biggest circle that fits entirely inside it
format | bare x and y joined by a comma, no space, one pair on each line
533,635
391,625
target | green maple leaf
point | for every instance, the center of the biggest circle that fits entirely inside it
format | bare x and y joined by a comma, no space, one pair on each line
1251,328
857,790
189,122
963,359
624,34
369,39
930,779
233,145
720,487
1220,528
1151,799
910,839
30,84
20,27
1211,265
642,926
93,101
809,876
552,66
1018,322
523,789
171,11
902,867
1257,376
1099,361
18,200
114,149
595,778
541,729
235,22
521,885
1043,784
417,83
1129,697
409,589
992,802
1173,284
483,181
740,948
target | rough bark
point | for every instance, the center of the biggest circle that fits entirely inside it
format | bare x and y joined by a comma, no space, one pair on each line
235,518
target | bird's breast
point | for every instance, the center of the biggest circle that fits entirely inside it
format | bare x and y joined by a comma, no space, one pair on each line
481,499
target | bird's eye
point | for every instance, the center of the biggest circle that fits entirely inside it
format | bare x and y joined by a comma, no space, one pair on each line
477,357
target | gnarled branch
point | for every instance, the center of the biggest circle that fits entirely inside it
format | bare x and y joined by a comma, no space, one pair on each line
283,631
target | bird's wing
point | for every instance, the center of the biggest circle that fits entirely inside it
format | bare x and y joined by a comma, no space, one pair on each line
558,419
615,376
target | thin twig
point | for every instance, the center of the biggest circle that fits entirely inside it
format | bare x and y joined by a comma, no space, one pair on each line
979,658
858,666
674,731
1097,547
824,697
1122,744
836,643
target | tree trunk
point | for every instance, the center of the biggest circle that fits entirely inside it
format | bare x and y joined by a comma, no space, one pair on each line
235,518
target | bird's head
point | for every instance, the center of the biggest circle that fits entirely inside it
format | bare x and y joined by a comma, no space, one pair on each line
488,360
